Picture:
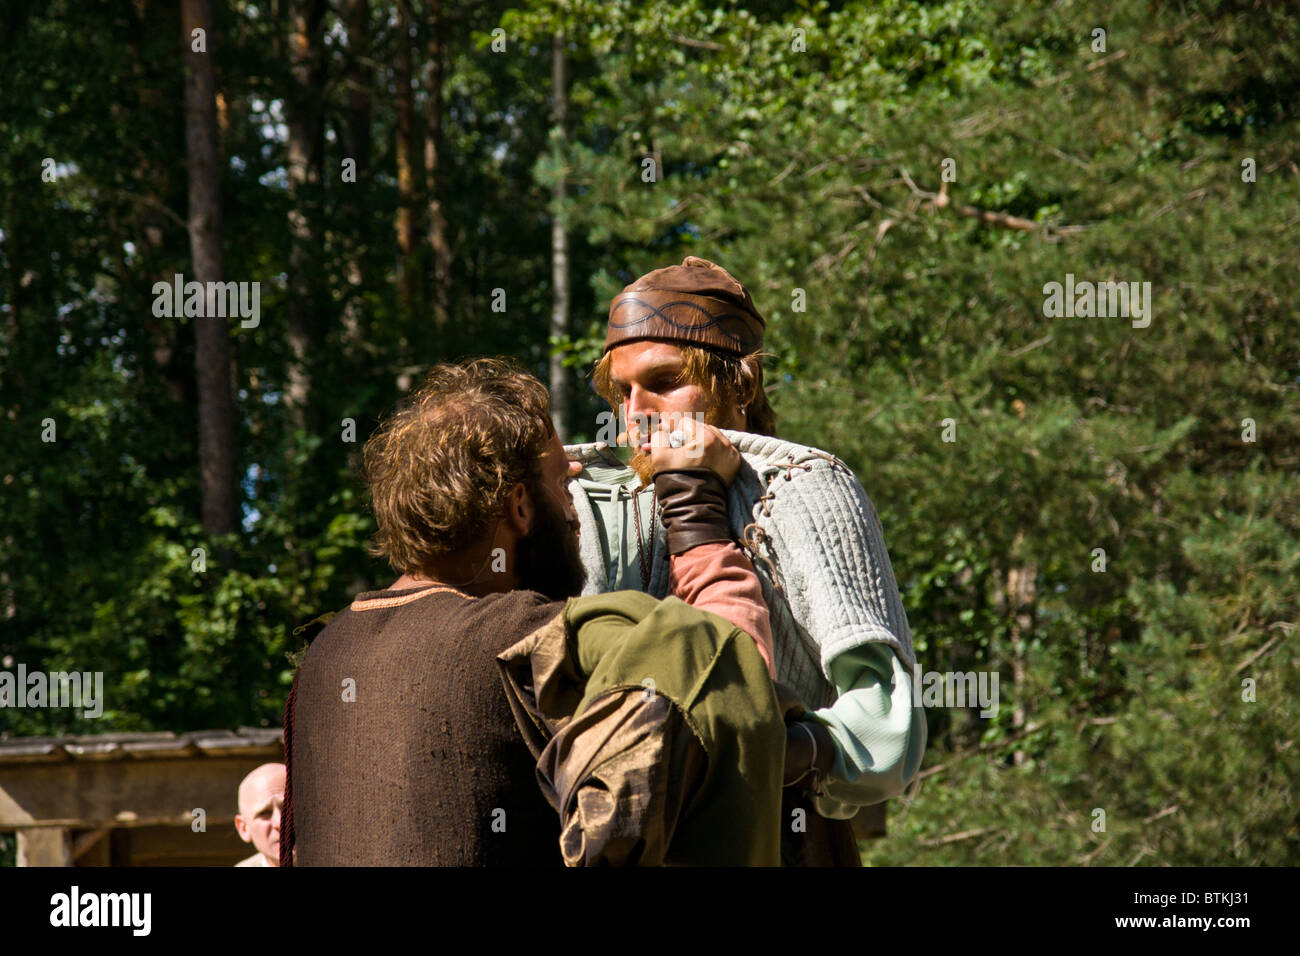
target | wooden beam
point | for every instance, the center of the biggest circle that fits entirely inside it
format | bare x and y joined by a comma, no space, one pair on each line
86,841
179,846
44,847
122,793
97,854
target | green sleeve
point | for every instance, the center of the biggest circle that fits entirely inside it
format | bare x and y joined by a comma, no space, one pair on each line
880,734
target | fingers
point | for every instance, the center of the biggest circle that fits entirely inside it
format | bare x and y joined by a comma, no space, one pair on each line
681,441
683,435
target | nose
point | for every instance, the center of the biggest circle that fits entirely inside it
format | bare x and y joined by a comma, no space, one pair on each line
641,412
275,819
641,402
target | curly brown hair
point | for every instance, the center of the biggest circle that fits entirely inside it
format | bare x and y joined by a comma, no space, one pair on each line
730,381
440,468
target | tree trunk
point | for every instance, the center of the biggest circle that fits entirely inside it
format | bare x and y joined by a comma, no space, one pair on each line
152,224
433,172
561,409
356,144
1021,596
359,84
408,276
306,155
212,341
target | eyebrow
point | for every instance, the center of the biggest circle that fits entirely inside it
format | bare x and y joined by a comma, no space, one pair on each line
673,365
265,805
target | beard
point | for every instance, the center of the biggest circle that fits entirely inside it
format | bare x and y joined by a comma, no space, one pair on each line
643,465
539,568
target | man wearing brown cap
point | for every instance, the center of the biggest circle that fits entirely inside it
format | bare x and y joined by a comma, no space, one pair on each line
687,341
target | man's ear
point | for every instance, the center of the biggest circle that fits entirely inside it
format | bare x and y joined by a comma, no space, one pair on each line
242,828
519,510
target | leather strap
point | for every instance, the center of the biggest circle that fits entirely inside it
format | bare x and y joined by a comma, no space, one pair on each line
693,505
809,776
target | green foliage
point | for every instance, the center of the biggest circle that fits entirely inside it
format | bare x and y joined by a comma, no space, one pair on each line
821,171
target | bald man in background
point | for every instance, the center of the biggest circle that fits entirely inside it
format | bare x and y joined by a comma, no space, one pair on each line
261,795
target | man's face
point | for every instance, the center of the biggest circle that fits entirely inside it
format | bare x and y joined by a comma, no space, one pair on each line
647,380
261,796
547,558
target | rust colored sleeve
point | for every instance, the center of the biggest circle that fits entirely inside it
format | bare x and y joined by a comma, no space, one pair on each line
719,578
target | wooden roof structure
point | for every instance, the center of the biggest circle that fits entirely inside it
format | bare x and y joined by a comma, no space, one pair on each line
130,799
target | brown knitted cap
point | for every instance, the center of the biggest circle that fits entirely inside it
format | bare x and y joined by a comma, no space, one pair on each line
697,303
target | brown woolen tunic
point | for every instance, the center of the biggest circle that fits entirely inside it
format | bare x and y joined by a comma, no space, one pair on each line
427,766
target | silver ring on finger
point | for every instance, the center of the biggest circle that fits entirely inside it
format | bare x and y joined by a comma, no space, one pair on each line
676,440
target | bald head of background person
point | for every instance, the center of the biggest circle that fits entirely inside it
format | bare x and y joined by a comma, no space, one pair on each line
261,795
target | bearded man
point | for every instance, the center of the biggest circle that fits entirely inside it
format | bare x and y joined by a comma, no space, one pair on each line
687,341
446,719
